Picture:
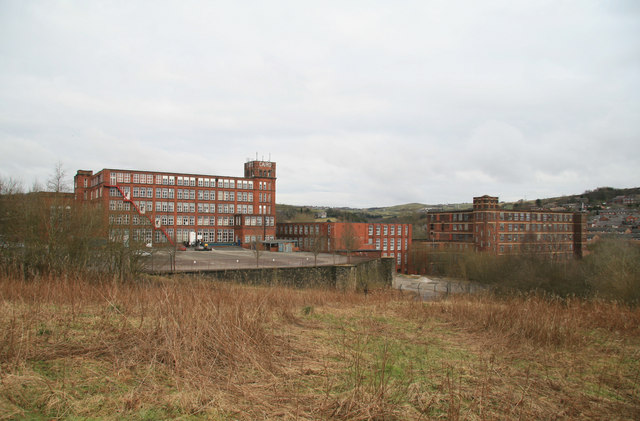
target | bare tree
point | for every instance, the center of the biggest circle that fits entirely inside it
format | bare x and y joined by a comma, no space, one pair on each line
57,182
317,243
349,240
256,246
9,186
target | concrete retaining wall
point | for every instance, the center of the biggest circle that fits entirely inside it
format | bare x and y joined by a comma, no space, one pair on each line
360,276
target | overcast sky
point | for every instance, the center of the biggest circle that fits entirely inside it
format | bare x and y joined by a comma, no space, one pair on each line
360,103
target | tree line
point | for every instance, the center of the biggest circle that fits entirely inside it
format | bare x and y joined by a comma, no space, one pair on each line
46,232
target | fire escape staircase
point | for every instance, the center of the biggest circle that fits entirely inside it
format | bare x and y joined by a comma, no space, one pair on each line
155,224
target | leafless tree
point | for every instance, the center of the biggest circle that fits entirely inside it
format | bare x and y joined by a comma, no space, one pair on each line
256,246
318,243
9,186
349,240
57,182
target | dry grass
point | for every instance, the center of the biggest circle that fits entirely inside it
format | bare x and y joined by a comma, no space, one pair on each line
189,349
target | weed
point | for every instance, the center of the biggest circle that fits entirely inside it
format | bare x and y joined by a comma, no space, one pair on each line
190,349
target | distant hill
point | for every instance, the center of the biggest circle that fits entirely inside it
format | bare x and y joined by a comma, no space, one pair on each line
414,212
593,197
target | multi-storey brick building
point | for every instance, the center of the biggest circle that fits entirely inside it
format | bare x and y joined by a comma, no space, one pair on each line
390,240
164,207
489,228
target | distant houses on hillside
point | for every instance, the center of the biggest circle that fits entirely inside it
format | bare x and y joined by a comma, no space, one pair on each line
620,223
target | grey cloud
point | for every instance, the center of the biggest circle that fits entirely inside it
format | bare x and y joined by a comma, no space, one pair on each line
361,104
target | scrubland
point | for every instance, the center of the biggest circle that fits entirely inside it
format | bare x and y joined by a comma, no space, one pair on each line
154,348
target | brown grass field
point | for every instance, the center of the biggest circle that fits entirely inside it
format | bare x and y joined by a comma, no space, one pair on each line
184,349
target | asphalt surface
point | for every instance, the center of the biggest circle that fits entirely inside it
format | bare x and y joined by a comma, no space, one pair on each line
237,258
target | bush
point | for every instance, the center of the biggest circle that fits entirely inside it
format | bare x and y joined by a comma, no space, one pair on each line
611,270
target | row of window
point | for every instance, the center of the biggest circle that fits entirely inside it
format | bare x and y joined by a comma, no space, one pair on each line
180,194
186,207
510,227
256,221
170,180
536,248
119,205
462,217
168,220
392,244
306,229
536,227
503,216
543,217
206,235
536,237
389,229
252,238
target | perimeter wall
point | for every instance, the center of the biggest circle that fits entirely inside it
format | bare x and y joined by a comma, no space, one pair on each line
361,276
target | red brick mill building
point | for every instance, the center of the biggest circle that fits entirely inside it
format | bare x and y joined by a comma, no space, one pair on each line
489,228
165,207
359,238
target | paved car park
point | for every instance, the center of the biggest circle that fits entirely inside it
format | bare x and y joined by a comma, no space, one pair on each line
236,258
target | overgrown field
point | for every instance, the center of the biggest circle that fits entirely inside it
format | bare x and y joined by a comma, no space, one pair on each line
158,349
